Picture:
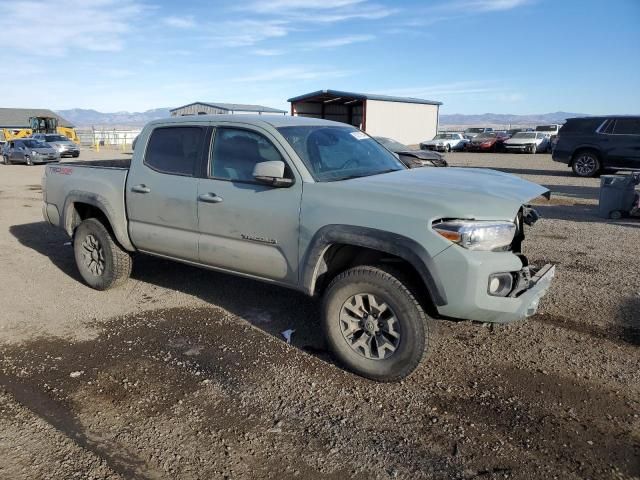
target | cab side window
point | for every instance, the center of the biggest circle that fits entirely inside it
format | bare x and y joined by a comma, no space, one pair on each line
236,152
175,150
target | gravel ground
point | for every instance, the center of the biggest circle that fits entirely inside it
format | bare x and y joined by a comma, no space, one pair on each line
183,373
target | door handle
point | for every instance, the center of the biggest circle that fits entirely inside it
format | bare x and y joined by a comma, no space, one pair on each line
209,198
140,189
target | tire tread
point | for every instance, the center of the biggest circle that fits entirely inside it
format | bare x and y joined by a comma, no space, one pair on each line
122,260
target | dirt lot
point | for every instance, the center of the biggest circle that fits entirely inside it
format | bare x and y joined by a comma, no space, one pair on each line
183,373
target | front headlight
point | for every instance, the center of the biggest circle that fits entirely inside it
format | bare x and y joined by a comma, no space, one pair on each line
478,235
33,152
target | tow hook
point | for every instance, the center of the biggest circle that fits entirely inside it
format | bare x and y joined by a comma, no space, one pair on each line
529,215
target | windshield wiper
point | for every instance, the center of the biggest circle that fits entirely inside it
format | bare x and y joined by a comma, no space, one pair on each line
349,177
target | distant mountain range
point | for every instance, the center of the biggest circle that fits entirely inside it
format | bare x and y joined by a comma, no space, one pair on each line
81,117
86,118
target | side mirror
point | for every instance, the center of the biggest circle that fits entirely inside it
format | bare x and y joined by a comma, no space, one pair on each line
271,173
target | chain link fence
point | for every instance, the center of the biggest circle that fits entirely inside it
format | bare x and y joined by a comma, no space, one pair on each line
116,139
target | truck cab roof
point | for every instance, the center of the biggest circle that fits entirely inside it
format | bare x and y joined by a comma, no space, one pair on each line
275,121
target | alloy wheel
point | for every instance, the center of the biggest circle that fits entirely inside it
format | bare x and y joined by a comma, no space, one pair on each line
369,326
585,165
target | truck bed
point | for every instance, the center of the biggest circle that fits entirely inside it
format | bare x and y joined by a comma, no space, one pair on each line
100,183
123,163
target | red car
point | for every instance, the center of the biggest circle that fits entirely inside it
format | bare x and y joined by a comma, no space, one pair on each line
488,142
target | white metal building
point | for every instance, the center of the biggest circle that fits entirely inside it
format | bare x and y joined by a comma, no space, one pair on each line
407,120
214,108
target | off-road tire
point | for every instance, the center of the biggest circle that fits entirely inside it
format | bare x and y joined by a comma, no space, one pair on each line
584,159
391,287
117,261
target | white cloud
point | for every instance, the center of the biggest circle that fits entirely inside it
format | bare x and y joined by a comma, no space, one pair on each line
455,9
268,52
180,22
118,73
67,25
453,88
339,41
284,6
492,5
293,74
477,6
244,33
488,91
319,11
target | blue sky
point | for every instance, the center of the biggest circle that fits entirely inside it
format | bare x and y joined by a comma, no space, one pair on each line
476,56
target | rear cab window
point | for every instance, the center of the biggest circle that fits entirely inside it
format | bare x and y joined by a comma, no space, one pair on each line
175,150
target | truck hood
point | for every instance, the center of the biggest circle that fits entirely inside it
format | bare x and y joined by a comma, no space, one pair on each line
476,193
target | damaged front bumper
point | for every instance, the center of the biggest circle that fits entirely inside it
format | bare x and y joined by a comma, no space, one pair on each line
468,275
529,297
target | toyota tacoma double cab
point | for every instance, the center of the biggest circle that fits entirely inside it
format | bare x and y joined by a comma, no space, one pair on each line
316,206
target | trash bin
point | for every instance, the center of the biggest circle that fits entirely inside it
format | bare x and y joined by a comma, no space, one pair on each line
617,193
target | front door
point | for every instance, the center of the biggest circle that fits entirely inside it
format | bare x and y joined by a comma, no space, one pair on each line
161,192
246,226
17,152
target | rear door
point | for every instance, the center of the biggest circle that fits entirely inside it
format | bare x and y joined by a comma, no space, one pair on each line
625,143
161,191
246,226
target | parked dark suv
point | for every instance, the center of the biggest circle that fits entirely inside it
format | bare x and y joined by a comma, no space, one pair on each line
590,145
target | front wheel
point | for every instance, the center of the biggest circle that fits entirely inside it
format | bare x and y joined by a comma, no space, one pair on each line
6,160
533,149
102,263
586,164
374,324
447,148
28,161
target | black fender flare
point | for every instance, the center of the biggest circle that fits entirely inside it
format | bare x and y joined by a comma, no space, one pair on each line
380,240
100,202
586,146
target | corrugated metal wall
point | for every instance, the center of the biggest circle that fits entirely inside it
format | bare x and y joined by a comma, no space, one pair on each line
198,109
408,123
335,112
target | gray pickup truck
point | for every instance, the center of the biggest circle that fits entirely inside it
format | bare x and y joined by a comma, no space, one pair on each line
317,206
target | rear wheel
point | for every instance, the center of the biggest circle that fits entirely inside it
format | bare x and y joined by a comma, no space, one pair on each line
102,263
6,160
586,164
374,324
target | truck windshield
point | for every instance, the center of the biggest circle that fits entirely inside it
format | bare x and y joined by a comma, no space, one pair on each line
339,153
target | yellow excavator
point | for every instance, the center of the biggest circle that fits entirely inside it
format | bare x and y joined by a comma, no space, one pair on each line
39,125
